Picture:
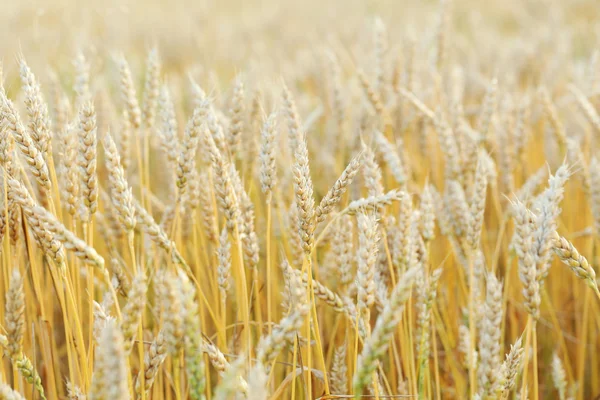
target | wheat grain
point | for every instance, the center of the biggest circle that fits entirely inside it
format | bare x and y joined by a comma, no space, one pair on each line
7,393
15,315
87,160
133,310
110,368
26,144
151,88
128,93
376,345
152,362
334,195
122,196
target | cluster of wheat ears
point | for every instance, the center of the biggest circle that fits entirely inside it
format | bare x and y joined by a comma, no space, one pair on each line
384,226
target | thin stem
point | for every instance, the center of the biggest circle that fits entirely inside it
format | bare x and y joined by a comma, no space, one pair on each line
472,331
244,287
535,361
269,282
526,356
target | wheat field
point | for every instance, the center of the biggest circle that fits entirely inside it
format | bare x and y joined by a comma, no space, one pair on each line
268,200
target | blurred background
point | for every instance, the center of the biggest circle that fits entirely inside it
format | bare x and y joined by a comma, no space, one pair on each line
234,34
